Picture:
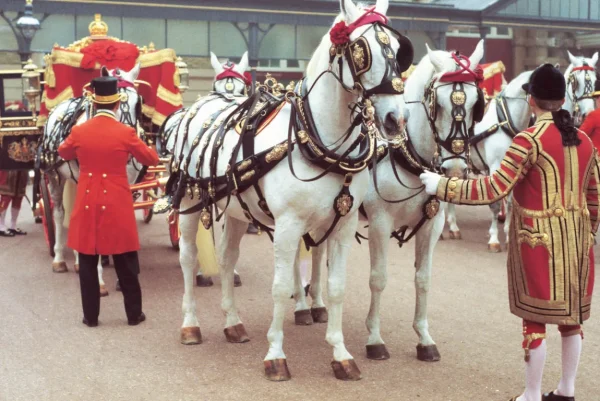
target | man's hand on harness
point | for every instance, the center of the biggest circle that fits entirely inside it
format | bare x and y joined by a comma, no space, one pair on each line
431,181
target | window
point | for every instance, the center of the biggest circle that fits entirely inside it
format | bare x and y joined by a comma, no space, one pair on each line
279,42
188,37
226,40
57,28
308,39
142,31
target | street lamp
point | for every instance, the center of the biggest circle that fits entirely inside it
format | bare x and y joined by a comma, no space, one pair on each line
28,25
184,75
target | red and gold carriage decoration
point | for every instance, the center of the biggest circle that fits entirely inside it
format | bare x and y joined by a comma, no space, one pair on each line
493,79
69,69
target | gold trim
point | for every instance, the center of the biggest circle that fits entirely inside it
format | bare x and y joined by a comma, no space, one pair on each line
174,99
493,69
66,94
66,57
277,152
158,118
106,99
157,58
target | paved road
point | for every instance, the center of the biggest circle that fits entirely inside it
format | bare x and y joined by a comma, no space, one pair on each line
47,354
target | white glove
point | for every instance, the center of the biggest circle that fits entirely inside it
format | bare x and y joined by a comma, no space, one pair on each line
431,181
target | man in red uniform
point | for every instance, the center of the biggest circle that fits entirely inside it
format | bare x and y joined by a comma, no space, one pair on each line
591,125
103,220
12,191
553,172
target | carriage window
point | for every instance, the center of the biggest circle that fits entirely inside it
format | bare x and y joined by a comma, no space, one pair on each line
14,101
57,28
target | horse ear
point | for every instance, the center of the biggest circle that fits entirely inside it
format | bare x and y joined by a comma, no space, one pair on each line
572,58
350,10
104,72
135,72
477,54
594,59
382,6
216,64
557,66
435,60
243,64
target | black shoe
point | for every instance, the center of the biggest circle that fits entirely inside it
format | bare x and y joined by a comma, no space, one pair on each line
137,321
90,323
17,231
553,397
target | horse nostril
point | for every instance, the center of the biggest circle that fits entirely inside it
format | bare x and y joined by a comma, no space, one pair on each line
445,170
392,124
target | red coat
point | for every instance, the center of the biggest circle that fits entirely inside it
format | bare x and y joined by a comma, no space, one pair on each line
103,220
591,126
555,212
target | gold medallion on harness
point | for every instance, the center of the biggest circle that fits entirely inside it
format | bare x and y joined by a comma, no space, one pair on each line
229,86
458,146
458,98
358,55
344,204
302,136
248,175
244,165
398,85
383,38
206,218
432,208
277,153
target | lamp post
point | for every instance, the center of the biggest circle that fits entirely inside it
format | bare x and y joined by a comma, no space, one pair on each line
28,25
184,75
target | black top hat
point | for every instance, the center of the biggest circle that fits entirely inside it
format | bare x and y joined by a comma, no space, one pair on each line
106,90
546,83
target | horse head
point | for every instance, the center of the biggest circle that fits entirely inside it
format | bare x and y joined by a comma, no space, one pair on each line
130,107
231,78
454,103
374,56
581,78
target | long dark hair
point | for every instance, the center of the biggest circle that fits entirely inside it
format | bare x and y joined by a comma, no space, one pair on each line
568,131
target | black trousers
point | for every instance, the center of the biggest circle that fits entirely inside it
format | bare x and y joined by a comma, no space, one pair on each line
127,268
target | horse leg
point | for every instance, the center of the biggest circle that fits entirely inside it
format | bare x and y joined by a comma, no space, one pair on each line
426,239
379,239
454,230
103,290
302,313
317,309
494,242
338,247
229,252
57,188
188,253
286,240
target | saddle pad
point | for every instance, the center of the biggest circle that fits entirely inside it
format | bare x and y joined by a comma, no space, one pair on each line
263,124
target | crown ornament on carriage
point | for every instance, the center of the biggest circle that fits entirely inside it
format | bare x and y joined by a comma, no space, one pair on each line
98,28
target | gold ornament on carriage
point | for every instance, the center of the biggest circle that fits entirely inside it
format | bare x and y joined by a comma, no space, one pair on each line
98,28
206,218
398,85
383,38
458,98
343,204
458,146
432,207
358,55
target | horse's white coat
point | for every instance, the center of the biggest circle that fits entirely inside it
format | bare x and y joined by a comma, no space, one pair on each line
385,217
586,106
493,148
298,206
70,170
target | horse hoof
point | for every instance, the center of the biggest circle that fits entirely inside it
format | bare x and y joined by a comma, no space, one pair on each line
319,315
202,281
346,370
191,335
303,317
441,237
377,352
76,267
237,280
236,334
103,291
428,353
495,248
455,235
59,267
501,218
277,370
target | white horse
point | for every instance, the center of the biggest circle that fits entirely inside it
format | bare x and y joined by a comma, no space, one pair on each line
581,78
507,115
297,206
396,202
59,171
230,80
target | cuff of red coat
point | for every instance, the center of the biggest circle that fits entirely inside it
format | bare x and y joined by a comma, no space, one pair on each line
447,190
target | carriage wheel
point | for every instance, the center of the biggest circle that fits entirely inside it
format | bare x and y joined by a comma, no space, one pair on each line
174,232
147,213
47,219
